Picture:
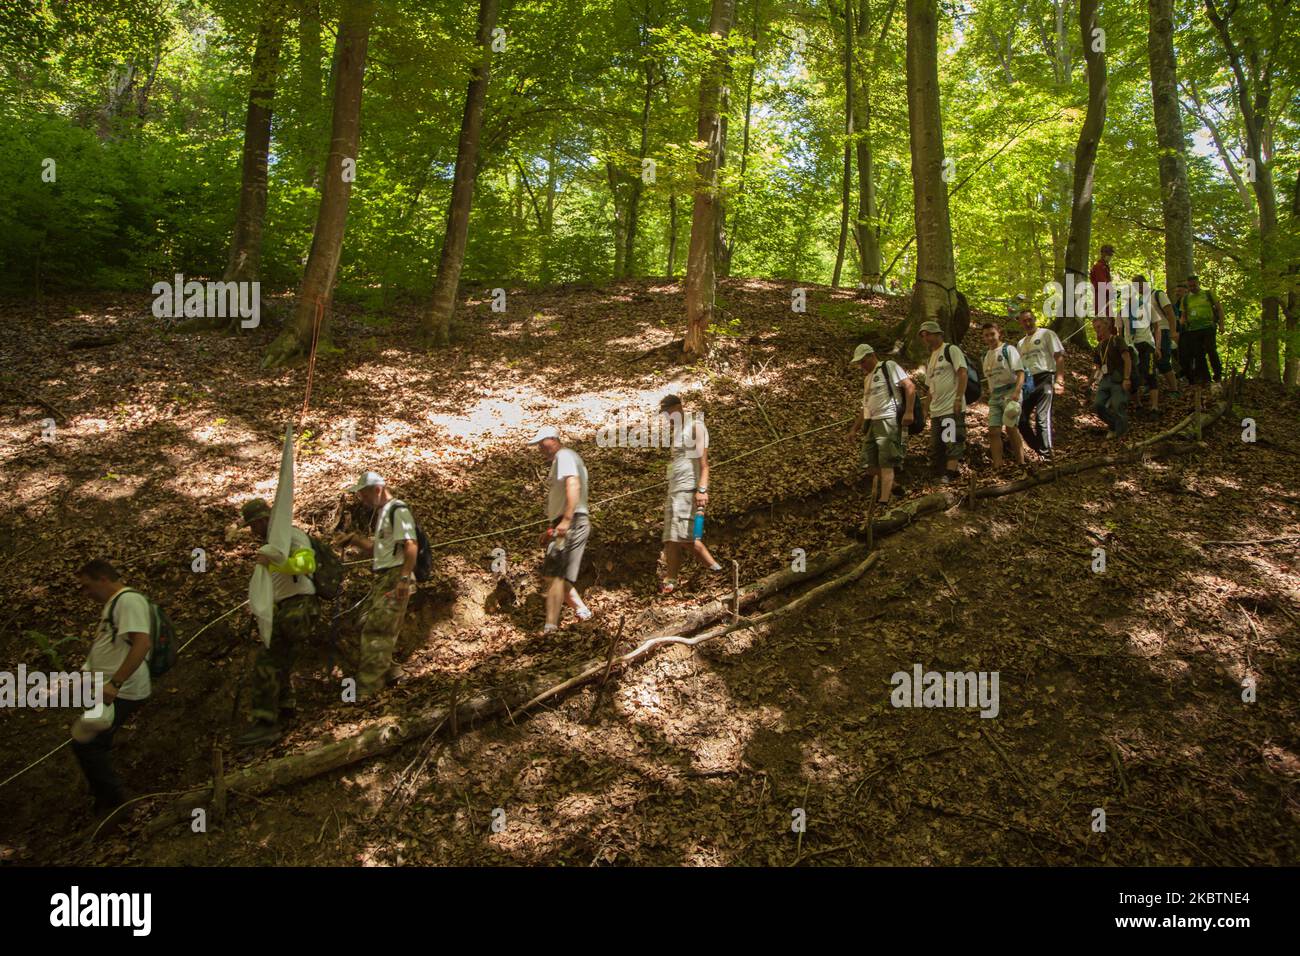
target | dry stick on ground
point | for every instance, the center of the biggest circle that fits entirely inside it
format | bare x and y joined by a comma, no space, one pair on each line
1244,543
390,732
36,400
609,663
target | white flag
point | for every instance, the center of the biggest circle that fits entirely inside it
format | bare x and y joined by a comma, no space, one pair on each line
261,588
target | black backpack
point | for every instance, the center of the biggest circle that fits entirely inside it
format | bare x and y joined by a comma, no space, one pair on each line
918,409
328,576
162,634
423,555
973,389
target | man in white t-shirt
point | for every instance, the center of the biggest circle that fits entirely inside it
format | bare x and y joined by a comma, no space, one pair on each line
118,654
887,409
296,611
1139,329
1005,375
945,380
569,526
688,490
1043,356
394,547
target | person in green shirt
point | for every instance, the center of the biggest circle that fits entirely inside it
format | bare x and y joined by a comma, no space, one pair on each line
1201,317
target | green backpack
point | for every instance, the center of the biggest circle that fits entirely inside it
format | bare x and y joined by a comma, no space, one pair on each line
162,634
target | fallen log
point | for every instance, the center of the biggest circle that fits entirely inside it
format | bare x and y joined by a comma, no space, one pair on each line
392,733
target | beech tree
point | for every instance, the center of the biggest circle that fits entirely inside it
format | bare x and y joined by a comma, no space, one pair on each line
310,322
437,321
935,296
700,277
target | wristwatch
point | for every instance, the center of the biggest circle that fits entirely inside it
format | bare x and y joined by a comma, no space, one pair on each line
114,683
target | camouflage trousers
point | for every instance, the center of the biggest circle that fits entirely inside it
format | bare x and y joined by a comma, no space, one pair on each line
291,627
381,622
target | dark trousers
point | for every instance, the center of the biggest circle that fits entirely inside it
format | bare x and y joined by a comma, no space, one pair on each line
96,760
1212,350
1036,417
1194,347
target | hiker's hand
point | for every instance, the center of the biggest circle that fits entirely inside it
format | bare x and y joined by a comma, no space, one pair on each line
110,693
908,418
562,528
401,590
546,536
1059,388
1128,385
344,540
263,560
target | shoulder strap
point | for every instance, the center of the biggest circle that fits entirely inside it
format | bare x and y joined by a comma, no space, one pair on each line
112,606
889,383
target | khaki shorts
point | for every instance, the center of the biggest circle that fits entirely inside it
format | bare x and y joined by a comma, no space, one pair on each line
679,516
883,445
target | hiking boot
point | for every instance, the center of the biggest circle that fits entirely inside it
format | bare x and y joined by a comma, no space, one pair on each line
262,732
394,675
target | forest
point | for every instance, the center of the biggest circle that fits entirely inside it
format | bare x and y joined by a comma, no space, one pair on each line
346,342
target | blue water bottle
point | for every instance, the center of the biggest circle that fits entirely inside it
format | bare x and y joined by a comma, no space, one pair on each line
698,528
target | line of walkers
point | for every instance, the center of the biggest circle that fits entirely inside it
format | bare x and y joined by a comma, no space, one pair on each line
1022,380
125,643
1136,342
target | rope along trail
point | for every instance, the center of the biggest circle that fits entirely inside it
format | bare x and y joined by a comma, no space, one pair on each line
443,544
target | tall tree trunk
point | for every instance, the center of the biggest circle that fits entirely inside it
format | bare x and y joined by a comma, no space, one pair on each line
317,288
934,297
848,143
548,228
245,261
310,92
734,234
620,223
866,226
672,236
722,263
437,321
708,135
1291,373
1175,196
1085,165
1254,98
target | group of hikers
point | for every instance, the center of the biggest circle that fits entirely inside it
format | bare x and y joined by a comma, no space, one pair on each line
1147,343
126,635
1134,355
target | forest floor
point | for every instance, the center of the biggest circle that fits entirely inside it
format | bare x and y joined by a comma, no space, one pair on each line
1119,691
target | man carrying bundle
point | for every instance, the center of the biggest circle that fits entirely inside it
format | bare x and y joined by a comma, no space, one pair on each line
296,611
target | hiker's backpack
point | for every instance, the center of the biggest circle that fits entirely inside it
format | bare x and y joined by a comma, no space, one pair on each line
423,555
973,389
162,634
918,410
1027,385
328,576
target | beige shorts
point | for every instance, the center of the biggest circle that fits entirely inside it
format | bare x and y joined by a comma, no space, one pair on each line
679,515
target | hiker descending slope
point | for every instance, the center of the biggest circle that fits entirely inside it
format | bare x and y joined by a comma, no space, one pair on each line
395,549
949,381
119,652
1008,390
887,412
1044,359
296,611
688,491
569,525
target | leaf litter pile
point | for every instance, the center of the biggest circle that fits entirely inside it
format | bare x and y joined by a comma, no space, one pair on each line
1121,736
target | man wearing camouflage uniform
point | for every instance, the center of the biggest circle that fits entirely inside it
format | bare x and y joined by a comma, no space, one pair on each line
394,545
296,611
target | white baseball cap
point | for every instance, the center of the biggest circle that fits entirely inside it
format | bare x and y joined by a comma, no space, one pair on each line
861,352
368,479
543,433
